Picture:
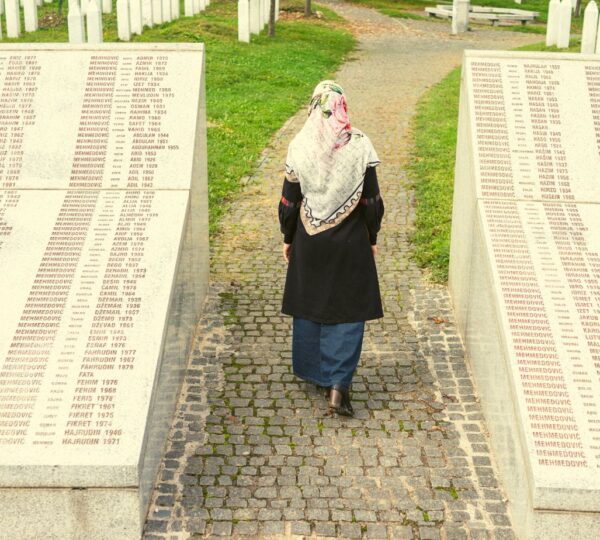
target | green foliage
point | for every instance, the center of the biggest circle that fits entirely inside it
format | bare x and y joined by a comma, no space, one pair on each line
432,169
251,89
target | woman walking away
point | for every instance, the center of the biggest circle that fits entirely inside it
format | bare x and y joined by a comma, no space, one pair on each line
331,287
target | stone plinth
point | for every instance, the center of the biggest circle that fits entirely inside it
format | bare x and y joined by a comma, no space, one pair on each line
524,274
103,253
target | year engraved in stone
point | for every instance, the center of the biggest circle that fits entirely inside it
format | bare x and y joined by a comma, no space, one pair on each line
17,114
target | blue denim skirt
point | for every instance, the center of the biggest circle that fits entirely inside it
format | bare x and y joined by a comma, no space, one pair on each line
326,354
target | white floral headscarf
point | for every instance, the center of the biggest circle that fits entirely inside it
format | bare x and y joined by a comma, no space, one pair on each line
329,158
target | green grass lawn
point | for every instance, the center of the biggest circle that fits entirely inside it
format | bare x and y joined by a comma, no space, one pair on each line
432,170
251,89
411,9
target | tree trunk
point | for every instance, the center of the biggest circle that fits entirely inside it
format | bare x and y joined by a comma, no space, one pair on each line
578,8
272,19
307,8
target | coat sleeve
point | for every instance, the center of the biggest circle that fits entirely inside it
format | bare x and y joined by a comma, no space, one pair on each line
372,204
289,209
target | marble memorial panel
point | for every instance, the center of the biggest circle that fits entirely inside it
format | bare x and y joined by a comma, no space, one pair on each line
104,258
525,277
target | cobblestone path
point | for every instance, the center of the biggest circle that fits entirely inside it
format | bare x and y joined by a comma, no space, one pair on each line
251,454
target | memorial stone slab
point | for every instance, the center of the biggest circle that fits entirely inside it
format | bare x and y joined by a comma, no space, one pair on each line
123,21
106,6
525,277
460,16
75,23
563,34
590,28
147,18
244,21
30,15
166,11
93,20
135,16
255,16
157,15
188,8
104,262
13,18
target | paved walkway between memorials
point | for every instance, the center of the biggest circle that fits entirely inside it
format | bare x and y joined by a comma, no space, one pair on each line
251,454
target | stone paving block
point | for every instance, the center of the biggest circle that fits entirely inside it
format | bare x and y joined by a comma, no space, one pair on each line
251,450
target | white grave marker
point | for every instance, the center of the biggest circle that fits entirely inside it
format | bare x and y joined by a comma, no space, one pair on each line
244,21
157,15
166,10
106,6
123,21
135,16
552,26
13,18
76,23
107,190
94,21
524,274
255,16
147,18
564,25
188,8
175,9
460,16
276,10
590,28
30,15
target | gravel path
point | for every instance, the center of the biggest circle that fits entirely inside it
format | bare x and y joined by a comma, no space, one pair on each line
251,454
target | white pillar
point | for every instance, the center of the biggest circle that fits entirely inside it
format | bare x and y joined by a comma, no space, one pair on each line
30,15
188,8
276,10
175,9
106,6
123,27
135,16
75,23
244,21
147,17
460,16
564,24
166,10
94,22
157,11
552,26
255,16
13,19
590,28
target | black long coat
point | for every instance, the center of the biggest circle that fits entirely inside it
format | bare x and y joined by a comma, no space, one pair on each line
331,277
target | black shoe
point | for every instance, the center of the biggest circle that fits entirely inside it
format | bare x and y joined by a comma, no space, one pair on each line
339,401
